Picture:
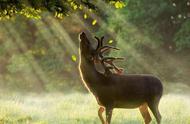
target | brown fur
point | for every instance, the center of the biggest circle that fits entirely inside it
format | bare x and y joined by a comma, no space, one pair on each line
119,91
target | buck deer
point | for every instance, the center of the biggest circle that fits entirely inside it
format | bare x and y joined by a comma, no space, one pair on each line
118,91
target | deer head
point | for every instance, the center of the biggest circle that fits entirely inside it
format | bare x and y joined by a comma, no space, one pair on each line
97,55
86,50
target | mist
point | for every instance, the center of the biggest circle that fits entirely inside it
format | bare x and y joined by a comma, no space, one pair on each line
39,77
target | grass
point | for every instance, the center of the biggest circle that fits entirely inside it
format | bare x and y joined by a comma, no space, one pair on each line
78,108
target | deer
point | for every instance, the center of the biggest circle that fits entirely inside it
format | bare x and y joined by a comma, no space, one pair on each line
118,91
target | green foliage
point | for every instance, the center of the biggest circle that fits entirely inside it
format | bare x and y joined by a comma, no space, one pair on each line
29,62
147,38
161,20
33,53
19,63
30,13
150,17
59,8
182,37
118,4
154,24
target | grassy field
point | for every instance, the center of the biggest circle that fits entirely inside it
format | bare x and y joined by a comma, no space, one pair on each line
78,108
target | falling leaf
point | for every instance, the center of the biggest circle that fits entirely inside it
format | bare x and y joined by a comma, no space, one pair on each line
90,10
119,5
85,16
80,7
75,7
94,22
110,41
74,58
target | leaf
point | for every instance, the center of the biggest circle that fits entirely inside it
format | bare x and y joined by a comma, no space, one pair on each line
74,58
119,5
94,22
85,16
110,41
81,7
75,7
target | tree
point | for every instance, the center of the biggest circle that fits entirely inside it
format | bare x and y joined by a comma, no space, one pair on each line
59,8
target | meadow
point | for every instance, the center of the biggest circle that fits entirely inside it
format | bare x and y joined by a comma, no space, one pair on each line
39,79
81,108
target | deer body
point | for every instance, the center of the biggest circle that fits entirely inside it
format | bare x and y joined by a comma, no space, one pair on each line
120,91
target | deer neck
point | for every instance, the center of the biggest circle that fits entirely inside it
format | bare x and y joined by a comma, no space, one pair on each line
90,76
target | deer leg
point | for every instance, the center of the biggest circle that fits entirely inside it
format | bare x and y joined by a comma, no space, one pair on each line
108,115
100,111
144,112
153,105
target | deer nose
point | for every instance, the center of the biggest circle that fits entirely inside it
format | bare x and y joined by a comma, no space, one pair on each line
82,34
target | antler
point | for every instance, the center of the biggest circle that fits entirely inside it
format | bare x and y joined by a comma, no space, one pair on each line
107,60
100,42
112,58
102,49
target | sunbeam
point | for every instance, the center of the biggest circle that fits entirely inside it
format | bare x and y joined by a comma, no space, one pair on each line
133,57
40,74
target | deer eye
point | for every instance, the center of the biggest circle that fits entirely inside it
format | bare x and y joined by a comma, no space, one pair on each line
91,58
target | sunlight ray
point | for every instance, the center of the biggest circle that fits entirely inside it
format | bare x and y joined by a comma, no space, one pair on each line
63,44
8,39
61,34
38,70
48,36
145,63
